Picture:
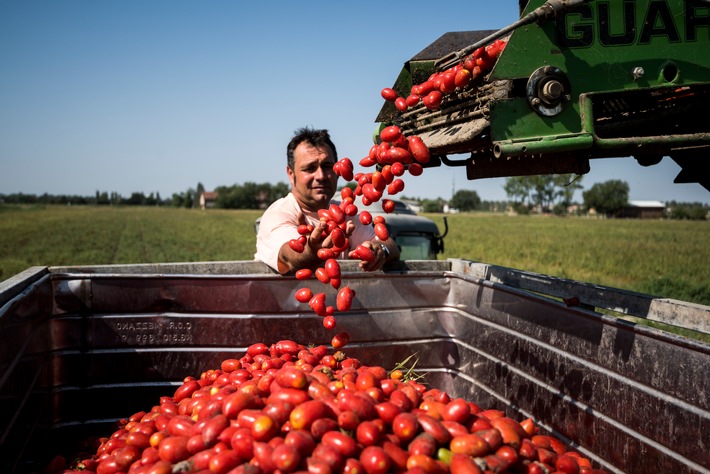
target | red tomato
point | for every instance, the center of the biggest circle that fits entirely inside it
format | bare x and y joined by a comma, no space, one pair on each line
405,425
462,78
332,268
567,464
322,275
388,205
387,411
325,253
264,428
397,169
180,425
344,299
401,104
447,84
303,415
302,440
370,192
397,186
365,218
510,430
336,213
296,245
398,154
230,365
222,462
415,169
424,444
389,94
391,134
321,426
457,410
285,457
470,444
463,464
432,101
367,161
304,274
173,449
317,304
304,295
378,181
381,231
368,433
419,150
346,169
425,88
412,100
364,253
337,236
353,466
185,390
340,340
374,460
291,377
138,439
527,450
469,63
340,441
329,322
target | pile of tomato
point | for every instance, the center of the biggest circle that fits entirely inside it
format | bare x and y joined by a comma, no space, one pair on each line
286,408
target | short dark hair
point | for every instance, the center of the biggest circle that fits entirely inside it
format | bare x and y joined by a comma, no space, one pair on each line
313,137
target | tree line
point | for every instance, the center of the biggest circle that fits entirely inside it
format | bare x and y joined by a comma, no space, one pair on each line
527,194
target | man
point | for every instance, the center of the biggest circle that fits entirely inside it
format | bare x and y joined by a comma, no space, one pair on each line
310,158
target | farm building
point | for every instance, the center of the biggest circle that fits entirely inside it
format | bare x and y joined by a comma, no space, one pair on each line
207,199
644,209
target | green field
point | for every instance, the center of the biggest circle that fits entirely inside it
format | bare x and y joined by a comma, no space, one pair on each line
666,258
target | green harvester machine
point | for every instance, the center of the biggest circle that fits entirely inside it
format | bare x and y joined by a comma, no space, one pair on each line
577,80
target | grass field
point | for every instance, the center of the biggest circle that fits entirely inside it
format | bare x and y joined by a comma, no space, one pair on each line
660,257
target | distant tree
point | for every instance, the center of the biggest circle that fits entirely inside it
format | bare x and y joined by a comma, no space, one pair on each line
190,198
151,200
178,200
102,199
518,189
545,192
608,197
567,185
136,199
432,205
687,210
278,191
466,200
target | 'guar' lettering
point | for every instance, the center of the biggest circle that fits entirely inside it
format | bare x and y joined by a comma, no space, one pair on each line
630,22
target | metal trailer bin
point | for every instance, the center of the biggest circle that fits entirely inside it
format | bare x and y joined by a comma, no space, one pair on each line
85,346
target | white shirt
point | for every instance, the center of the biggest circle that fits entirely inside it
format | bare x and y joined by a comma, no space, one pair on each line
280,222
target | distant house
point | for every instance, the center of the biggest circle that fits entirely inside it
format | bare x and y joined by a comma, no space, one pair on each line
644,209
208,199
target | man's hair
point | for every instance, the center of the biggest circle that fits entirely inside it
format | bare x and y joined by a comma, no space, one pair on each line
315,138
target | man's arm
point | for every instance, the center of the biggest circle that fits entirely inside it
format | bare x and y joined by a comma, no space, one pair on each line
290,261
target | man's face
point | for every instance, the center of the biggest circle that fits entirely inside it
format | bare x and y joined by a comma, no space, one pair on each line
313,180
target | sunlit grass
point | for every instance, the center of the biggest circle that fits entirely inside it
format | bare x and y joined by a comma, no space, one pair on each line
660,257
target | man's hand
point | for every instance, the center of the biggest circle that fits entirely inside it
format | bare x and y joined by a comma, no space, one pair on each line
383,252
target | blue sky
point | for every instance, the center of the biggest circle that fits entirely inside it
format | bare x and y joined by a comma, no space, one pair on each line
157,96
